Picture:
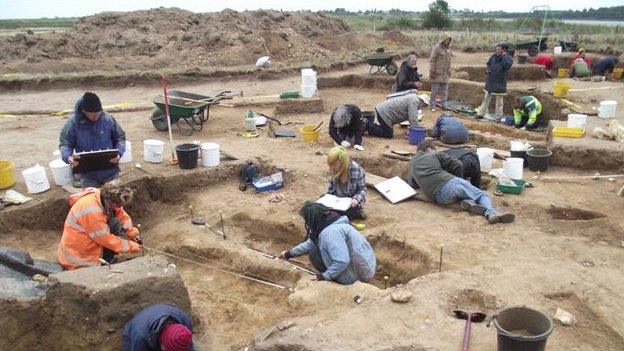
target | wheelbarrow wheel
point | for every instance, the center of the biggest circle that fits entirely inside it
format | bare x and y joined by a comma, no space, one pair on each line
392,68
533,50
159,120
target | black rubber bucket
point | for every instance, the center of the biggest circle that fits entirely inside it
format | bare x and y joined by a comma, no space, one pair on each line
521,328
187,155
522,155
539,159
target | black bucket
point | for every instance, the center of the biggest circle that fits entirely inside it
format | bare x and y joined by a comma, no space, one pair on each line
539,159
521,328
522,155
187,155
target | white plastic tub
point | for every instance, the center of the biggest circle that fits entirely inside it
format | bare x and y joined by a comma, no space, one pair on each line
153,150
577,120
486,158
512,167
210,154
127,156
36,179
607,109
61,172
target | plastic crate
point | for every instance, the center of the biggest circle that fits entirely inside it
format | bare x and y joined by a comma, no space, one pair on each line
509,189
565,132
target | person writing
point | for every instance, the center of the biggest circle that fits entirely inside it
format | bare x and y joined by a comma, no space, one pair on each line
408,77
90,129
347,179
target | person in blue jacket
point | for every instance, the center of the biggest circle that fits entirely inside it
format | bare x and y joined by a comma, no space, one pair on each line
91,129
158,327
450,130
496,83
337,250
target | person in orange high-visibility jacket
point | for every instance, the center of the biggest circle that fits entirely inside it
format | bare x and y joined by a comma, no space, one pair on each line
95,227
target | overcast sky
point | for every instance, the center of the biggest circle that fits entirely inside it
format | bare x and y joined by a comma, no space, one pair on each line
75,8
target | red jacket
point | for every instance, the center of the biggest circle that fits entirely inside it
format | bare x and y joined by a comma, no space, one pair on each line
86,232
544,60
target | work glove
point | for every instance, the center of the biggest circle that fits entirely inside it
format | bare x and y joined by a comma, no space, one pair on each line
345,143
134,247
358,147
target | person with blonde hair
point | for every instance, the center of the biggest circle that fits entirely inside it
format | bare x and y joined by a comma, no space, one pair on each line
97,227
347,179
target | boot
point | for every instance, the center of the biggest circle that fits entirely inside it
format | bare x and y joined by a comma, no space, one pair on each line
497,217
472,207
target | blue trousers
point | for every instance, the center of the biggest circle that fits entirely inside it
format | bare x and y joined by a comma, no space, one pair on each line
458,189
381,130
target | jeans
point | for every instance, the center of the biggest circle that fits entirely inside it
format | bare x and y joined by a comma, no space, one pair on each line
485,106
458,189
439,89
117,229
525,119
381,130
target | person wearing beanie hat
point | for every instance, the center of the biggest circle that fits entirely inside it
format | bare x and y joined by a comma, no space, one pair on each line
91,128
158,327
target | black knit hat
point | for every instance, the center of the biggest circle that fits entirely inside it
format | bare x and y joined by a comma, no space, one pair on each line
91,103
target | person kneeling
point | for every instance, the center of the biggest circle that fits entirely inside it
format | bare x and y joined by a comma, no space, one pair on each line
94,225
336,250
346,126
347,179
527,112
159,327
440,178
394,111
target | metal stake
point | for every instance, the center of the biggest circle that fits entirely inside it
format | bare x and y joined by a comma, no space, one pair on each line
386,282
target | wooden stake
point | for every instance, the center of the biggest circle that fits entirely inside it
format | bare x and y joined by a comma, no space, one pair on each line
441,253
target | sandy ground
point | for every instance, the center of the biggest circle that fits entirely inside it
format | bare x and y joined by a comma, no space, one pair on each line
579,259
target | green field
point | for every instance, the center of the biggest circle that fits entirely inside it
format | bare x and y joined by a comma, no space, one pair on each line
37,23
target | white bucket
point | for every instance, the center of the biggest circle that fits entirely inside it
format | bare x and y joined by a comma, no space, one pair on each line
36,179
210,154
153,150
61,172
307,91
558,49
127,156
486,158
512,167
308,77
607,109
576,120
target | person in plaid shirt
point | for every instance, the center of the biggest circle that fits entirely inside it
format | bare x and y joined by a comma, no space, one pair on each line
347,179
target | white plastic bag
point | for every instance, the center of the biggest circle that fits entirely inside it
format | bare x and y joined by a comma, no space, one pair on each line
263,62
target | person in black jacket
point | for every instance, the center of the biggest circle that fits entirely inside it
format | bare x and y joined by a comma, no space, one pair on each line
158,327
346,126
408,77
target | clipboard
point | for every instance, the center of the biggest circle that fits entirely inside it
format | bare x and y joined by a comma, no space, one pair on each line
95,160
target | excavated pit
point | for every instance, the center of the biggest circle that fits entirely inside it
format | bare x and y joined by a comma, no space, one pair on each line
573,214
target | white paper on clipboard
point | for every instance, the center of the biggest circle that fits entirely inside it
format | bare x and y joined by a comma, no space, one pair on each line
395,190
335,202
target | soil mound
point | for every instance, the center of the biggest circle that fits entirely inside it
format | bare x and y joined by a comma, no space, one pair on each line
175,38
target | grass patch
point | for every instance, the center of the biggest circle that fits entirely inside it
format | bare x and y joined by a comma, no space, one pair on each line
62,22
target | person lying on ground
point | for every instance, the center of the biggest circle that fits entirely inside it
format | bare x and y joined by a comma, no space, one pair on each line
96,227
336,250
440,178
450,130
346,126
527,112
496,83
394,111
158,327
90,129
440,69
605,66
347,179
580,69
407,78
